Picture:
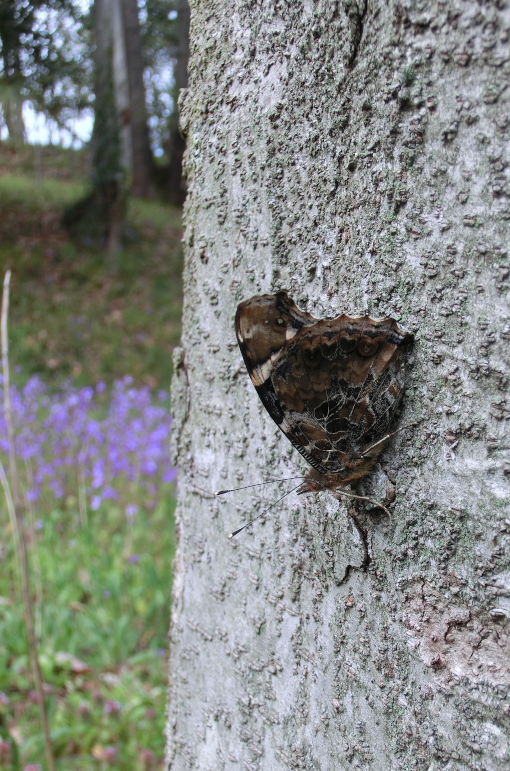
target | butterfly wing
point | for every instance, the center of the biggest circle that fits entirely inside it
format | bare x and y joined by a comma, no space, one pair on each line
331,386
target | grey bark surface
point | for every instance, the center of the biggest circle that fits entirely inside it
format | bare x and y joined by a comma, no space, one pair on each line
12,113
119,47
115,33
357,156
136,115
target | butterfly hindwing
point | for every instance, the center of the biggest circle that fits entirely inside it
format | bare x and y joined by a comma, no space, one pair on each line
332,386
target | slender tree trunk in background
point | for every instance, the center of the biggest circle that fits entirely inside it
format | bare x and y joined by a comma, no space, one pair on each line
174,181
12,108
120,140
101,214
136,117
10,89
356,155
121,53
118,61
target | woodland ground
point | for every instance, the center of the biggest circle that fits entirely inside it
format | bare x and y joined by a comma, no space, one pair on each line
73,312
90,351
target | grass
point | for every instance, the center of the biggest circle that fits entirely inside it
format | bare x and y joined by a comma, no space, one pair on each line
101,583
38,195
73,312
103,616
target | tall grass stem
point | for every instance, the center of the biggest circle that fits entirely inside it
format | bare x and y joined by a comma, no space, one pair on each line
14,505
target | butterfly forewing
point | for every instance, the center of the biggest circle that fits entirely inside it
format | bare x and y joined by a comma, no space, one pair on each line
332,386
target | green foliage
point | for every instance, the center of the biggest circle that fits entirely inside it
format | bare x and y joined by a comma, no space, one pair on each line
103,621
101,583
46,58
160,42
71,311
43,195
46,55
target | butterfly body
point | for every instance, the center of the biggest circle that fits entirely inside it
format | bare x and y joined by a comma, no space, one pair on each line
332,386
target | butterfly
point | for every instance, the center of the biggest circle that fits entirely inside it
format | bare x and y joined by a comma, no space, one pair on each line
332,386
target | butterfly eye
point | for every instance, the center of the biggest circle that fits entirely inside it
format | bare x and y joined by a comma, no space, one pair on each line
367,347
312,357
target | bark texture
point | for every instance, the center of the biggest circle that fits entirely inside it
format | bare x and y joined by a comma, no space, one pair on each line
356,155
175,184
119,48
136,115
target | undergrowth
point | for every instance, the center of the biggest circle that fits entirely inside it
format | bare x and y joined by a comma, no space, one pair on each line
74,310
92,447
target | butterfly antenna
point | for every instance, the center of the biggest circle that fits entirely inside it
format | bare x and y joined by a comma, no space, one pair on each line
258,484
232,535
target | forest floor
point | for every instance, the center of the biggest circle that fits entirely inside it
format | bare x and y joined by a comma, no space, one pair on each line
90,355
73,312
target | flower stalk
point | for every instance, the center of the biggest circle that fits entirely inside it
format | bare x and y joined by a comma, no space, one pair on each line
15,507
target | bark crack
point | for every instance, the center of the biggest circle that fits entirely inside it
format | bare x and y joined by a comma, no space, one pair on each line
357,13
366,554
364,539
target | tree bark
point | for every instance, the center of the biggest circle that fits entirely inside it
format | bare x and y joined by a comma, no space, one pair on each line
356,155
13,25
101,214
120,47
115,36
12,108
175,184
136,117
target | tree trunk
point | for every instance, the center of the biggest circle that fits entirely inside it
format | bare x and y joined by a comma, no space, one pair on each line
12,108
357,156
101,214
175,184
136,117
121,41
115,34
182,58
12,26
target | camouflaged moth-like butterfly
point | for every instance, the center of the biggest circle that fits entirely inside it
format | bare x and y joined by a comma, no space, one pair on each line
332,386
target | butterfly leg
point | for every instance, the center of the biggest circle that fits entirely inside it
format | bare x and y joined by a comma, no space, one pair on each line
337,493
368,450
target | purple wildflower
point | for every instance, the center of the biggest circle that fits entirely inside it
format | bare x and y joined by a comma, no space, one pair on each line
113,707
110,755
5,753
81,440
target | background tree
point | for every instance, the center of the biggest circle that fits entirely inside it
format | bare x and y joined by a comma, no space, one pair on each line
166,33
104,209
141,155
44,60
120,143
175,183
118,49
355,154
47,59
120,140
